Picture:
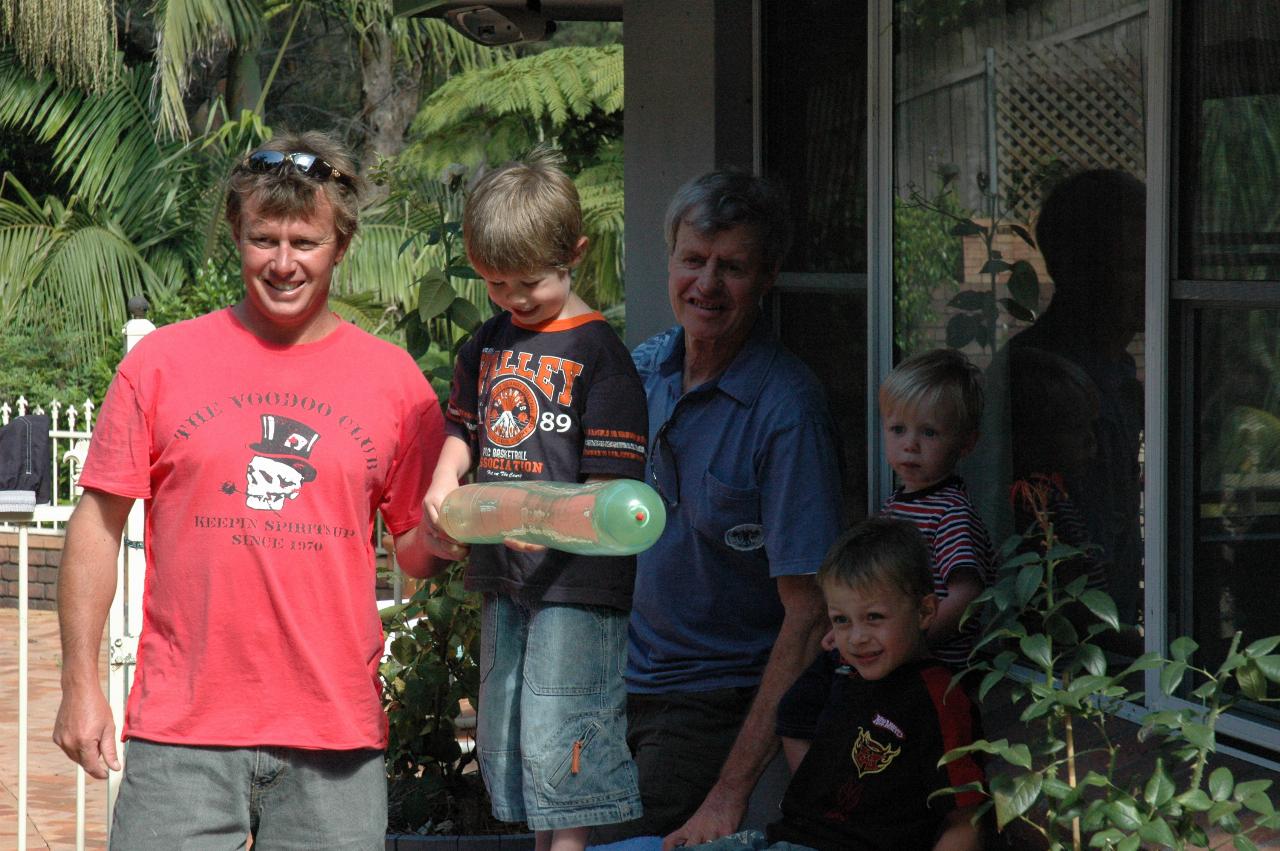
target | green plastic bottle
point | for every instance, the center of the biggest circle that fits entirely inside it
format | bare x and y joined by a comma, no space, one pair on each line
613,518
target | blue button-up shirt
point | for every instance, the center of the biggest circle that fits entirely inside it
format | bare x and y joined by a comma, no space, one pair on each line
748,468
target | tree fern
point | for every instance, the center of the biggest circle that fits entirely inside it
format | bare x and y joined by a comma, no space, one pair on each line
494,115
600,190
555,85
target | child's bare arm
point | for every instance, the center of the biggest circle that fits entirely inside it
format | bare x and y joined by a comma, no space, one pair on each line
959,833
962,586
453,464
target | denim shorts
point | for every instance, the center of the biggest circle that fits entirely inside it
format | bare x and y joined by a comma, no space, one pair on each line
551,725
198,798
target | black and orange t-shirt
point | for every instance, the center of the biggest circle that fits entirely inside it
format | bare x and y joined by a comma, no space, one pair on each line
557,402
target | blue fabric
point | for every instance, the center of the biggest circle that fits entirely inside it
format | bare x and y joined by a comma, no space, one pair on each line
551,735
639,843
748,468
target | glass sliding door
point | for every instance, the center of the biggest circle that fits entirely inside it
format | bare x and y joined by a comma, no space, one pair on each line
1225,529
814,141
1019,170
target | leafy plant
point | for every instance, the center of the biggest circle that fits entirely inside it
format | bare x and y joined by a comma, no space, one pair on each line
926,257
432,667
978,311
1077,797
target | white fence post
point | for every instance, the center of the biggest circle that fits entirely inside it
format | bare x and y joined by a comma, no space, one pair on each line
22,684
124,621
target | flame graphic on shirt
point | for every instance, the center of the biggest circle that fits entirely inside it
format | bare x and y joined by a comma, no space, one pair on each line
871,757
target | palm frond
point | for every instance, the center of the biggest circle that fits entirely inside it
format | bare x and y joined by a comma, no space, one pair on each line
104,145
443,49
94,269
24,233
188,30
375,263
366,309
65,267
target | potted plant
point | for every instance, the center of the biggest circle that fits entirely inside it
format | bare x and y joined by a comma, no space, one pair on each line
435,796
1062,793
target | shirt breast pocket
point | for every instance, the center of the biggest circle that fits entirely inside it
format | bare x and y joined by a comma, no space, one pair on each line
729,516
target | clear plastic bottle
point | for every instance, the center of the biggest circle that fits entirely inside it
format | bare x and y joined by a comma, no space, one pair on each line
617,517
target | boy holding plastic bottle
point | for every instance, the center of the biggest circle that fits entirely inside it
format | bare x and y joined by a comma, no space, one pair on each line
544,391
930,408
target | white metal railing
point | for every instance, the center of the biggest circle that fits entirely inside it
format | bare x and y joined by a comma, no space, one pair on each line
70,427
24,522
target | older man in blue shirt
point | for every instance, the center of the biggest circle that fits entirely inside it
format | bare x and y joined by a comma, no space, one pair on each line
726,612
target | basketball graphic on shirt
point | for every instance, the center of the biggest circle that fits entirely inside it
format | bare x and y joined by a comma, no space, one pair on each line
512,413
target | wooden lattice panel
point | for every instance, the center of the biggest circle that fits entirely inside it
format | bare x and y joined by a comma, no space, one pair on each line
1069,102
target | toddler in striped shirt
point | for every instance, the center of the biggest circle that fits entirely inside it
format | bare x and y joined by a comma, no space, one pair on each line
930,409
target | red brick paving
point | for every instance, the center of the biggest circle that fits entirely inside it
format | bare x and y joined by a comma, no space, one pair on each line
51,777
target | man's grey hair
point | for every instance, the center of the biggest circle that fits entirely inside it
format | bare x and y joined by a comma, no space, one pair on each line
720,200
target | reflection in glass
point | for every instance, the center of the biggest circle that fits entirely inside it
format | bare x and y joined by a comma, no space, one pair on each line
1229,231
815,127
837,354
814,120
1237,445
1230,222
1019,164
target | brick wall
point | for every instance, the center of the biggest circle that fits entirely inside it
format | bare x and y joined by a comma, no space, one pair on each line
44,555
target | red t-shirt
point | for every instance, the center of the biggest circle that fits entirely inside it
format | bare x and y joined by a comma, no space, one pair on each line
263,467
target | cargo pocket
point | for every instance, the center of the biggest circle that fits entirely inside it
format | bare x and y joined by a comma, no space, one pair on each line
584,765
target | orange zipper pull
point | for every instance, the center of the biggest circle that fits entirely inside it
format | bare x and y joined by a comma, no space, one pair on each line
576,765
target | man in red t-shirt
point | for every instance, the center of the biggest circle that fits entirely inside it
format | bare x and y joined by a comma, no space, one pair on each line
265,438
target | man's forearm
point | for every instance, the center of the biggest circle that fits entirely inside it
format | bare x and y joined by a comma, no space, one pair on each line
798,642
414,556
87,583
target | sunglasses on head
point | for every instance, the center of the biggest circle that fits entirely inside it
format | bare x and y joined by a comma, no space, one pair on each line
309,164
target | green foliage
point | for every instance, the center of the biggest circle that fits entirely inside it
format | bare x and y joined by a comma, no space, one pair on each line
927,257
141,215
38,364
1239,159
930,17
1054,625
435,648
212,288
571,95
554,86
922,19
447,301
977,312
